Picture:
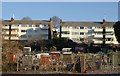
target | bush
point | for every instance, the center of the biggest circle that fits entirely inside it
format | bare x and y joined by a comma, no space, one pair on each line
9,67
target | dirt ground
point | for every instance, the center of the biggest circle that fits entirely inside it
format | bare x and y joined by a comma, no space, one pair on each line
60,72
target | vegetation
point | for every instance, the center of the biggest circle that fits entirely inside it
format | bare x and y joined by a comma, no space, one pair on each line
8,48
117,30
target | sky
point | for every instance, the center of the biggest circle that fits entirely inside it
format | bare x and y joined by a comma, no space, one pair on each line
67,11
60,0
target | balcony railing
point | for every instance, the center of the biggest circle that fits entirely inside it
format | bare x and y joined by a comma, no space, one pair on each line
109,42
45,27
109,29
98,35
46,32
65,35
99,30
11,32
12,38
97,42
108,36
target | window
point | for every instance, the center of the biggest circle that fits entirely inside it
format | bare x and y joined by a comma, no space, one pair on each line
29,36
30,25
65,27
45,25
81,33
23,30
81,39
108,31
75,33
37,25
81,27
5,25
98,39
15,30
65,32
98,33
90,27
29,30
90,31
23,25
109,27
36,30
75,27
15,25
7,30
23,36
98,27
109,39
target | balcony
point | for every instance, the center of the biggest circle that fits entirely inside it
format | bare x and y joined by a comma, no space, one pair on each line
98,30
7,27
98,36
108,36
109,29
23,38
45,37
12,32
12,38
44,32
45,27
108,42
98,42
65,35
65,29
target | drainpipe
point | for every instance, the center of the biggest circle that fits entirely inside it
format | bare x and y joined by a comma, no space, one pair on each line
104,32
60,28
11,22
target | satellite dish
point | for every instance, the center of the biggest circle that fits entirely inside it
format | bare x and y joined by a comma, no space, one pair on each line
56,21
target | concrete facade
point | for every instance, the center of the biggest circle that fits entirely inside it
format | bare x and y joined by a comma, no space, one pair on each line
89,32
80,32
26,30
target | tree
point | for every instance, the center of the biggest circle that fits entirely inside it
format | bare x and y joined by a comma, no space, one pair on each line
36,44
56,21
7,49
55,34
117,30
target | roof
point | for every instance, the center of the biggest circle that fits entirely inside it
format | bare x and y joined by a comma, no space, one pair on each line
87,23
64,23
27,21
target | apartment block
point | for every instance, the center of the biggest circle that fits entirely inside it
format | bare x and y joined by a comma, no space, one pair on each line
89,32
26,29
80,32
